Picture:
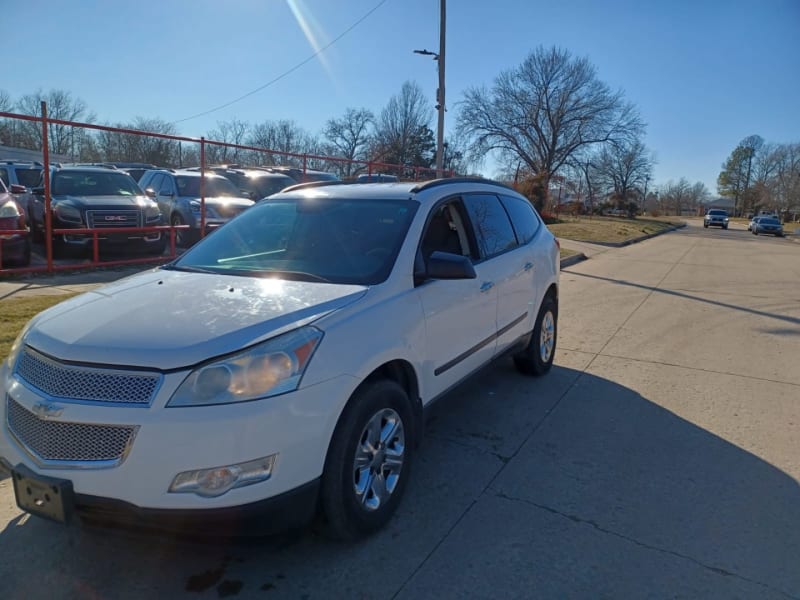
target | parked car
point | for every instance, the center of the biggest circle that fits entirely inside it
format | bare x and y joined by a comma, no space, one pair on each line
19,176
307,176
376,178
768,225
177,193
716,218
97,198
15,248
295,352
255,183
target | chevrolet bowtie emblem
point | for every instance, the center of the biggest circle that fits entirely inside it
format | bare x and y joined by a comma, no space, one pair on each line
47,410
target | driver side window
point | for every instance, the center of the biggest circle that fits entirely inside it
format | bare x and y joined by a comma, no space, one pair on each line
445,232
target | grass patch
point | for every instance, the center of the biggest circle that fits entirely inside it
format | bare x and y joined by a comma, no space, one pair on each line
609,229
15,312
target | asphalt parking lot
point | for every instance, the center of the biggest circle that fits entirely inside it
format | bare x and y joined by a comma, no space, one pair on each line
659,458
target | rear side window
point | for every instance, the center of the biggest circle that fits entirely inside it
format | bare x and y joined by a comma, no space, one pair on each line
490,223
4,175
522,216
28,177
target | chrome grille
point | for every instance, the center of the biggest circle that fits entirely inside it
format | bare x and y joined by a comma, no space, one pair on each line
85,383
113,218
68,442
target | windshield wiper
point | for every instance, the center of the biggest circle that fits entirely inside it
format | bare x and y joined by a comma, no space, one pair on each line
171,267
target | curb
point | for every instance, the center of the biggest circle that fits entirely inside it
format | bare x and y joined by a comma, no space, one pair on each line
634,240
573,260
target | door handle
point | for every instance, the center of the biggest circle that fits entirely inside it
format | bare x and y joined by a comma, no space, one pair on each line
528,266
487,285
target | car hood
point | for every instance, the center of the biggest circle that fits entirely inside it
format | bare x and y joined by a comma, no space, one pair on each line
170,319
94,202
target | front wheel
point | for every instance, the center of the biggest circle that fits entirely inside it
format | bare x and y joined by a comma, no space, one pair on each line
705,225
368,462
537,358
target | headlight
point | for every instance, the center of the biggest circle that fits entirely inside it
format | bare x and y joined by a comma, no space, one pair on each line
68,213
16,347
152,213
271,368
9,210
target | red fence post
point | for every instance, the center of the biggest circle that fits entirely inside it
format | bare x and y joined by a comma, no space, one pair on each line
48,220
305,164
369,169
202,187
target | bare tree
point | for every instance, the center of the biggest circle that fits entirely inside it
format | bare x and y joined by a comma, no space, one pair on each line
402,133
61,105
350,136
624,168
280,136
675,195
129,147
546,110
233,131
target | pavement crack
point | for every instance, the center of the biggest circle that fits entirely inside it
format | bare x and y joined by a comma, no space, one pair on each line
622,536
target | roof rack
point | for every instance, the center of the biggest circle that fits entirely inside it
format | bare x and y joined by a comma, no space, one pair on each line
309,185
437,182
14,161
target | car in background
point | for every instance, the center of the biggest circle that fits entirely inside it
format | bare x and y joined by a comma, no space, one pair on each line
283,365
19,176
134,169
769,226
97,198
307,176
177,192
256,183
752,222
716,218
376,178
15,241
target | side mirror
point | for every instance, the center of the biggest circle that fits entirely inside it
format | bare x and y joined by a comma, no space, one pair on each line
150,192
444,265
17,189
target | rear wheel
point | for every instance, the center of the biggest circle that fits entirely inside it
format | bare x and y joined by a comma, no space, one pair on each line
537,358
183,237
368,462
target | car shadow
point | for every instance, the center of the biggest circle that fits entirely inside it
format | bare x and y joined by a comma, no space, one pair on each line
584,449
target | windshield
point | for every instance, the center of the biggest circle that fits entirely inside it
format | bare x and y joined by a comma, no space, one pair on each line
718,213
768,221
215,186
91,183
264,186
330,240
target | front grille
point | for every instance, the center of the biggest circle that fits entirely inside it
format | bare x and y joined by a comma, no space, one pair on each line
72,382
113,218
228,211
68,442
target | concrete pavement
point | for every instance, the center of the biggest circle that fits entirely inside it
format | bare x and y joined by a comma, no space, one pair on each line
658,459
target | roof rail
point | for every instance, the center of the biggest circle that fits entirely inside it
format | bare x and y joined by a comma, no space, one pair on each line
437,182
11,161
309,185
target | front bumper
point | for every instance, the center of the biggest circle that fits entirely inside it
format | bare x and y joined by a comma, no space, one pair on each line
296,426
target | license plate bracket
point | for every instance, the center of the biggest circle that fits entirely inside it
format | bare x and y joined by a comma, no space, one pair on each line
46,497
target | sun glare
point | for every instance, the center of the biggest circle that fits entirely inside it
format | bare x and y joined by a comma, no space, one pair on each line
311,29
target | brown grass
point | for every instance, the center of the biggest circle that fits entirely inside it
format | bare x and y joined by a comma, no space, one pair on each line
15,312
609,229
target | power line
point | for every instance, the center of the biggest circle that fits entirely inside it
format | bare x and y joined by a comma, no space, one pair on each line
290,71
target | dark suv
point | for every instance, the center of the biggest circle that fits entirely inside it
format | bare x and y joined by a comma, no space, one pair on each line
256,183
94,198
306,176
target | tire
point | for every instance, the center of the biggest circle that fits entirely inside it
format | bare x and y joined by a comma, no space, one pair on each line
346,513
724,226
537,358
755,231
705,225
183,237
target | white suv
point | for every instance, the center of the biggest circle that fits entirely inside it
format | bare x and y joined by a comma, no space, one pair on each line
281,366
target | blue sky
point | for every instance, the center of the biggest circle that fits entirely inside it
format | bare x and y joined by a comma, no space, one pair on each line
703,73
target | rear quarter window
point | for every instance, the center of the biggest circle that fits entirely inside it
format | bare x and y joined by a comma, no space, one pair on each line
523,218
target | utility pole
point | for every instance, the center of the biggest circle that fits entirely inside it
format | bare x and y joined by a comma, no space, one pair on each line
440,94
440,101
